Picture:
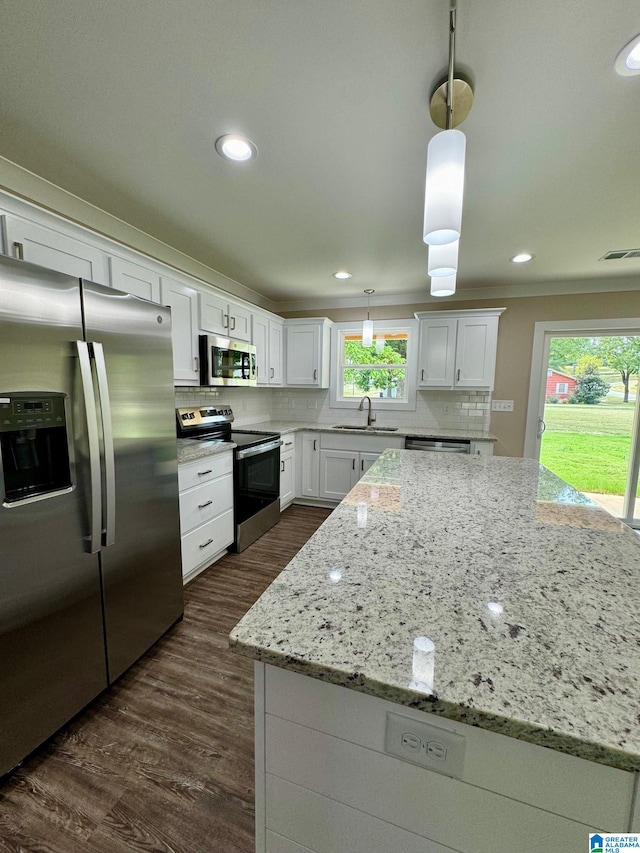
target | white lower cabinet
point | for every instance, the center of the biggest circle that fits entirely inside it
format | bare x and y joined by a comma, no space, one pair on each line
339,472
206,511
344,459
481,448
326,784
309,476
287,471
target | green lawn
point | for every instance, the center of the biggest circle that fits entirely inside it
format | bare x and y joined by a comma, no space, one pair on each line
588,446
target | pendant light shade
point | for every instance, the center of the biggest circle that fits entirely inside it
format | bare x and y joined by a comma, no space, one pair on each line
443,285
367,325
444,188
443,260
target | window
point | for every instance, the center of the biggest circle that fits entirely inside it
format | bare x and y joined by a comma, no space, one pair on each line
562,387
384,371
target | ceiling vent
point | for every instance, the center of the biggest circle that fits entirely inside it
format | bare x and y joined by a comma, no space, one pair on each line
620,254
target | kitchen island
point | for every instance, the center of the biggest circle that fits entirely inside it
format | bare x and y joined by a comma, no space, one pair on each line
481,596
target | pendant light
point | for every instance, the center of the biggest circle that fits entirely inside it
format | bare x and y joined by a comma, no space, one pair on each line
443,259
443,285
446,154
367,325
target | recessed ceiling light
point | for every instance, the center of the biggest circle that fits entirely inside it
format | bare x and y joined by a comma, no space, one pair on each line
628,60
342,274
236,148
522,258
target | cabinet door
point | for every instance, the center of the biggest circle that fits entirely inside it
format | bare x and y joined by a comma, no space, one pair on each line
310,474
239,322
338,473
260,340
134,279
184,329
214,314
437,353
476,352
275,352
366,461
303,348
481,448
53,250
287,479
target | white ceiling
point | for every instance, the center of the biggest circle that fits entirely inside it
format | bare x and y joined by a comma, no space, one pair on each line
121,103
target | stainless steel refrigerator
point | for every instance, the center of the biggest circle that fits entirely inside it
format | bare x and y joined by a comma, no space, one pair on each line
90,571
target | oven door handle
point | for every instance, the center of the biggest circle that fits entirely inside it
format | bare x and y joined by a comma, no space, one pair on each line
260,448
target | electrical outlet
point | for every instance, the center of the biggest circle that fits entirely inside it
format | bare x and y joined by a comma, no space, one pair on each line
429,746
502,405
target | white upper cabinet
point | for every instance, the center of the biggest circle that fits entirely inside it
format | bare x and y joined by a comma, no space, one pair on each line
307,348
184,329
49,248
267,338
134,279
221,317
458,348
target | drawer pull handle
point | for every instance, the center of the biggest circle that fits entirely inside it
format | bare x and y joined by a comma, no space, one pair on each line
202,506
208,542
282,467
202,473
288,443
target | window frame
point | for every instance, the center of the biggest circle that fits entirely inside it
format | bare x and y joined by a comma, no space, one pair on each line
354,327
562,387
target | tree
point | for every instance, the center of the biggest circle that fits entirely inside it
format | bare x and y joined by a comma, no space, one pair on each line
381,378
623,355
591,387
567,352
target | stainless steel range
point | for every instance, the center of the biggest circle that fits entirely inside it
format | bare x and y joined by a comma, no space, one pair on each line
256,468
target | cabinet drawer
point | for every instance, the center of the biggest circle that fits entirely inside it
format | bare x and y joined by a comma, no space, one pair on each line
204,502
202,470
206,541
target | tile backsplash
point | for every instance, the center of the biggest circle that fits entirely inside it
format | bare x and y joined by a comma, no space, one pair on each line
439,409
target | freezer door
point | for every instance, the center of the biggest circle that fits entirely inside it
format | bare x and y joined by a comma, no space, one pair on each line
140,556
52,660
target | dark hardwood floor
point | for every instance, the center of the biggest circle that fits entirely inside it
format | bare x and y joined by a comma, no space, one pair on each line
163,761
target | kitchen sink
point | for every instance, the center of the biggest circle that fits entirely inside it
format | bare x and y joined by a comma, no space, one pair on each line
365,428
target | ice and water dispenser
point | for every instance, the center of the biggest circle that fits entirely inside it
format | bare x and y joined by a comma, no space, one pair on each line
34,445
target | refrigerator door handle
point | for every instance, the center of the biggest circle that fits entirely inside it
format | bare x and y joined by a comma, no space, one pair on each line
94,446
107,438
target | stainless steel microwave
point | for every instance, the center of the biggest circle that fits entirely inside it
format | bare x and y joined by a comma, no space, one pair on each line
224,361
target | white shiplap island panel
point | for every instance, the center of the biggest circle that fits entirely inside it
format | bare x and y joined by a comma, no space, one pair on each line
420,548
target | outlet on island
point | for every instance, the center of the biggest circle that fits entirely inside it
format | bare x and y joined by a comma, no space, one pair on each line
432,747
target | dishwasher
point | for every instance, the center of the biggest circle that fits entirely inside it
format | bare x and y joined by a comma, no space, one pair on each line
434,445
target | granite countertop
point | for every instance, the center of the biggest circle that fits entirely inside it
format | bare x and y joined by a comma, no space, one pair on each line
527,589
284,427
190,449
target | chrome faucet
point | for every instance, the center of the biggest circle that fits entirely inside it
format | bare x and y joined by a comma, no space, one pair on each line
370,416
